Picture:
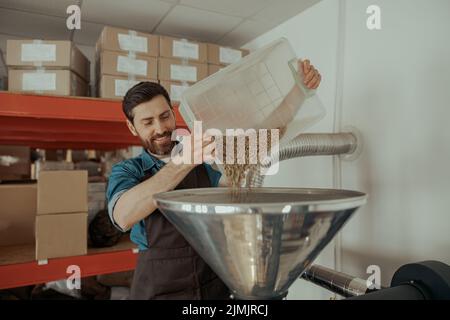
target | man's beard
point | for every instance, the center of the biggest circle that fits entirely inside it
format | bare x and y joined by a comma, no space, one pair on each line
157,148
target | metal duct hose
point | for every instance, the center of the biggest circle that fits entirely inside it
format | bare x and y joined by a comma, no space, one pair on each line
311,144
337,282
414,281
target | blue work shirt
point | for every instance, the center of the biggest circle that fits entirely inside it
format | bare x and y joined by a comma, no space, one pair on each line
129,173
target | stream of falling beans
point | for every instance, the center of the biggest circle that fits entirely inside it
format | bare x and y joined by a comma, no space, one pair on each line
235,172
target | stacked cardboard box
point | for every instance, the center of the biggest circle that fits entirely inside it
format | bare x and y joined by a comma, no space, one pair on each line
213,68
17,214
175,70
50,67
124,58
181,63
220,57
61,221
175,89
175,48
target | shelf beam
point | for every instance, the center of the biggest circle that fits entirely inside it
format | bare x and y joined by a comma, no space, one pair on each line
65,122
18,267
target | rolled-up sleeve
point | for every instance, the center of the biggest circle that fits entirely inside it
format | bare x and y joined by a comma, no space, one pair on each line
122,179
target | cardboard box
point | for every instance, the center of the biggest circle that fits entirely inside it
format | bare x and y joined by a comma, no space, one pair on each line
61,235
176,70
213,68
183,49
220,55
120,64
175,89
47,54
115,87
59,82
62,192
17,213
123,40
15,163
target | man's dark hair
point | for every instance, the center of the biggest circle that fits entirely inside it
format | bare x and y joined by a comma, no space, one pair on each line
140,93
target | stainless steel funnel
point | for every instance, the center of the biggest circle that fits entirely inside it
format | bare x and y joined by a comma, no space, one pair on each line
260,242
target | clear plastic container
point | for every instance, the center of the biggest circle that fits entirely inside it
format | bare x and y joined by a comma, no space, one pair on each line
261,91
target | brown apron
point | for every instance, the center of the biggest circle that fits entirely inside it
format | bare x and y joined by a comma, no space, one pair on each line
170,268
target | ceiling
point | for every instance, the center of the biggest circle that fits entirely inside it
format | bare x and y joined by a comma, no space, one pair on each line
226,22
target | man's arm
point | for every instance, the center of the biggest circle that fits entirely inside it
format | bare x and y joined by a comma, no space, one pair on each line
137,203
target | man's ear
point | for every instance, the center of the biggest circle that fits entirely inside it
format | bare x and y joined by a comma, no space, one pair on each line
131,128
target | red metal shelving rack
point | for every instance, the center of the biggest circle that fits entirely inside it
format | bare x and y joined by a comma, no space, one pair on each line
64,122
70,123
18,267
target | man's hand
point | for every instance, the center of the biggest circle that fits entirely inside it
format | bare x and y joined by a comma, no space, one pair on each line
196,149
311,76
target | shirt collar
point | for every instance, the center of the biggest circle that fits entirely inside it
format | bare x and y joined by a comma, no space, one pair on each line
149,161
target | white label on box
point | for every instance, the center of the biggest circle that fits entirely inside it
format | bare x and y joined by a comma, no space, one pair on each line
176,91
183,73
37,81
228,56
121,86
133,43
131,66
184,49
38,52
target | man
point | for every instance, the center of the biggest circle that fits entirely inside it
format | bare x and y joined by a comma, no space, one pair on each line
168,267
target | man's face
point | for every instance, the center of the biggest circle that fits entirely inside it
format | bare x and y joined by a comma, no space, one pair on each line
153,123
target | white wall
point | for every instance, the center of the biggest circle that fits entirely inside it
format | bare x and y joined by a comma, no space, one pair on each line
396,92
312,34
397,83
